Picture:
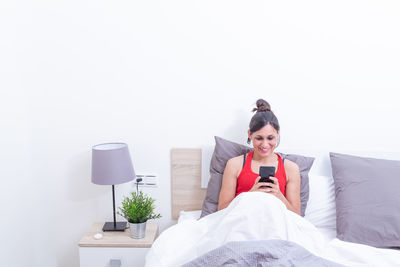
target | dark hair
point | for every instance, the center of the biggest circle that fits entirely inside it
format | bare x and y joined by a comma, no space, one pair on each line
263,116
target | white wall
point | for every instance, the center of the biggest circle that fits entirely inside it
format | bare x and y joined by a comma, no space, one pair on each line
164,74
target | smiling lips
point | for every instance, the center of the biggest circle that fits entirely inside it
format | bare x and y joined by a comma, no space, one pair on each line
265,150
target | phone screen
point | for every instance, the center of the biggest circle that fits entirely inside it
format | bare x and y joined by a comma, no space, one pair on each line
265,173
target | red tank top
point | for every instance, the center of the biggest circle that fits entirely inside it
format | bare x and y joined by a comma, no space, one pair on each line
247,177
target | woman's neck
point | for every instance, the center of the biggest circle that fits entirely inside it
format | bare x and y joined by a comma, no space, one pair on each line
270,159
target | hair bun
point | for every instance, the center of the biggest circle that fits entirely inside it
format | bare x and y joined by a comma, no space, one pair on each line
262,105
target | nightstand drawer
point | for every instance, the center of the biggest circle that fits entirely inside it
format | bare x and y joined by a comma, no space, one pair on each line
101,256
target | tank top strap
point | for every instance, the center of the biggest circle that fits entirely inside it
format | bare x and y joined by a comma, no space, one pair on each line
249,158
280,172
280,159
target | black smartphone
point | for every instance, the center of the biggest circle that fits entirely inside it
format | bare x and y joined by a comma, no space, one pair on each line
265,173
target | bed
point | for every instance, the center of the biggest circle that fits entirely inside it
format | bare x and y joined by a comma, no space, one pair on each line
187,201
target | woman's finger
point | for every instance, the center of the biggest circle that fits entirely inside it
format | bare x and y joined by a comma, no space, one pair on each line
256,186
265,190
274,179
276,183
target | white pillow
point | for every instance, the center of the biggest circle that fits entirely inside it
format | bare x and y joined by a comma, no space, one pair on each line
321,207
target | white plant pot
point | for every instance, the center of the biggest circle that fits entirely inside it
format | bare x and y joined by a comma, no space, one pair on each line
138,230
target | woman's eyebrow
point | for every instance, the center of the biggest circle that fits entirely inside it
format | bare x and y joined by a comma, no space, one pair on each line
271,135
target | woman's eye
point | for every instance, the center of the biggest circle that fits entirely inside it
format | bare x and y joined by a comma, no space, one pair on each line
270,138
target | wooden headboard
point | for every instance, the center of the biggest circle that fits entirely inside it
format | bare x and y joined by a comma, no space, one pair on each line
186,191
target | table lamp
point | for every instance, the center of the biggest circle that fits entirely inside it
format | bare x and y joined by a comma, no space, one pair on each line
111,165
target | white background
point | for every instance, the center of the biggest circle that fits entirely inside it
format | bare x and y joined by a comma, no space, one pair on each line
165,74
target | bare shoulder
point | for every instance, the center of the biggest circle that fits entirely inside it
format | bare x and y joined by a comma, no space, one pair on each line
234,165
235,162
290,165
292,169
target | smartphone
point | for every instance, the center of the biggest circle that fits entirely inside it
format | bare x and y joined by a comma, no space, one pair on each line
265,173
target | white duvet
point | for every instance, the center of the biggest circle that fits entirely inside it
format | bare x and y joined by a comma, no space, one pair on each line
258,216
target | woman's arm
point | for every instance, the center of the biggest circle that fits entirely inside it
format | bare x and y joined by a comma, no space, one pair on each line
292,199
229,180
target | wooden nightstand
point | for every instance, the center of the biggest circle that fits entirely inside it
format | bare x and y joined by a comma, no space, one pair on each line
117,246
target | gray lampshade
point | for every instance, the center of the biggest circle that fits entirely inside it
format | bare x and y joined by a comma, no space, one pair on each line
111,164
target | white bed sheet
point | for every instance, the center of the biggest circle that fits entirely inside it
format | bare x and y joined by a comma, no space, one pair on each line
321,206
189,215
242,220
328,233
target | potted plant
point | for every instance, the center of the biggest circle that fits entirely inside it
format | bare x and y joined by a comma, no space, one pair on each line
137,210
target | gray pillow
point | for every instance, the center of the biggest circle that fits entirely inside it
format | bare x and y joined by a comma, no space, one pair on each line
367,200
304,164
225,150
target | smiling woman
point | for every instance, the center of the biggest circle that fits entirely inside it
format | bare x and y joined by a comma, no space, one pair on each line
242,173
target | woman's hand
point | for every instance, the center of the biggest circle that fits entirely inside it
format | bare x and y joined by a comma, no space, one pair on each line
273,189
258,186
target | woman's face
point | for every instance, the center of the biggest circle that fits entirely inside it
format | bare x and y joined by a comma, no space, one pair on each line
264,140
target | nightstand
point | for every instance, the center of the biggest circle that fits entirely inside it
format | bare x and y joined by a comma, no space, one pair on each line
115,247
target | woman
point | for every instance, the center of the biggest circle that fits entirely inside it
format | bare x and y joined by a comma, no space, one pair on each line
242,173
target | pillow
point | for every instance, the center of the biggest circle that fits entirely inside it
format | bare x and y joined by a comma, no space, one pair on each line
304,164
321,206
367,200
225,150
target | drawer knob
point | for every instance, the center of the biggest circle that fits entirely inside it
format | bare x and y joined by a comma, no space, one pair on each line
115,263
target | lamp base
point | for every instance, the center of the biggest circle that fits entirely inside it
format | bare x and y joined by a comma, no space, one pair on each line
109,226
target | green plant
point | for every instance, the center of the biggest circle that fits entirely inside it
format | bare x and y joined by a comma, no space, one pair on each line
138,208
